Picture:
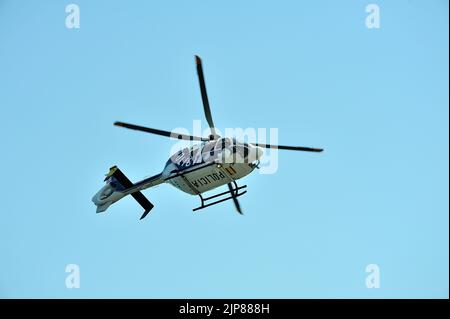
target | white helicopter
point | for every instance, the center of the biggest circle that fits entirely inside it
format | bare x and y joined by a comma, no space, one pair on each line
214,162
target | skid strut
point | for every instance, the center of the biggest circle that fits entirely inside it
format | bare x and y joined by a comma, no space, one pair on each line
234,193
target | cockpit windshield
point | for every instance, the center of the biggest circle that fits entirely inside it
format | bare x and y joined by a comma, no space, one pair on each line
223,143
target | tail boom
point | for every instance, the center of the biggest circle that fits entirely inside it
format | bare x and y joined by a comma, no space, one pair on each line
118,186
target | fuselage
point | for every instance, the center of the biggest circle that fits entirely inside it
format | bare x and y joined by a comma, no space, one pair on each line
193,170
203,167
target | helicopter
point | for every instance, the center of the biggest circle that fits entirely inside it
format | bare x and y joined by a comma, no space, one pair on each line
202,167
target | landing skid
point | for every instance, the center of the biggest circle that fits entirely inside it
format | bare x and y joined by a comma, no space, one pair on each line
235,192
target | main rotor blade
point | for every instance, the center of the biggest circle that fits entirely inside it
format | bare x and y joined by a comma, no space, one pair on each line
161,132
235,200
201,80
291,148
197,138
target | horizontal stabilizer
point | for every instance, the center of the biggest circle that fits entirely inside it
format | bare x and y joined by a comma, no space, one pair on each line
116,173
144,202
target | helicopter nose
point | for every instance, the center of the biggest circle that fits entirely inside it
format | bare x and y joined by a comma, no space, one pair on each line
259,152
254,153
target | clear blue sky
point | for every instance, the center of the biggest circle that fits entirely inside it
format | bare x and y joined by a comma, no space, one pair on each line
375,99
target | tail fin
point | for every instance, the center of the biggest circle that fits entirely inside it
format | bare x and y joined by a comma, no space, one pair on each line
119,183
